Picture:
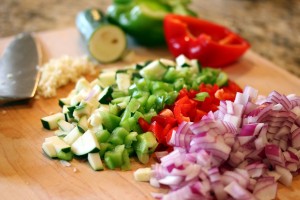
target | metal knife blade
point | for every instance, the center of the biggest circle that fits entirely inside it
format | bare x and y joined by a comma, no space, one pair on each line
19,74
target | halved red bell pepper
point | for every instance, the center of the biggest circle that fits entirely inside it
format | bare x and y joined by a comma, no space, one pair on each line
213,45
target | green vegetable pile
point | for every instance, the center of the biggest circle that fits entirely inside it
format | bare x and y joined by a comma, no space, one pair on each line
99,119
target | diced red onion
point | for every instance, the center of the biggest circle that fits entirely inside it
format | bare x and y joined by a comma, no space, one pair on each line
239,151
238,192
265,189
285,175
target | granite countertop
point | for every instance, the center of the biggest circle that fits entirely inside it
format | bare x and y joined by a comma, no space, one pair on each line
271,26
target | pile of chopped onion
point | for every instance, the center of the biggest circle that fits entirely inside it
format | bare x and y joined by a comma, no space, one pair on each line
240,151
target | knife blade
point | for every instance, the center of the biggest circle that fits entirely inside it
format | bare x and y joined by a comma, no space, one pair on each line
19,74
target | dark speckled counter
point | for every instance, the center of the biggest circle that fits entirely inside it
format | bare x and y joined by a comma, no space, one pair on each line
271,26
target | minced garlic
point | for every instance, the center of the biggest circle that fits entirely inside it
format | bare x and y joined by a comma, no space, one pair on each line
58,72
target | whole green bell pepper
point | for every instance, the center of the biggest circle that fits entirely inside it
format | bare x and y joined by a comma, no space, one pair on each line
143,19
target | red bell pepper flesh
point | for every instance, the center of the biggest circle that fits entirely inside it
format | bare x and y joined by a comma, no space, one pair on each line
213,45
143,124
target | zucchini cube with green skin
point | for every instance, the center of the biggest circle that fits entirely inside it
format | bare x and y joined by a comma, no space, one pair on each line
62,149
105,96
123,81
82,84
83,124
107,78
154,70
95,161
85,144
72,136
49,149
64,101
84,108
58,144
51,122
65,126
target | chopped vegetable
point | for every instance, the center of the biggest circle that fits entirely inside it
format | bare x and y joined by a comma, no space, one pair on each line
58,72
133,111
239,151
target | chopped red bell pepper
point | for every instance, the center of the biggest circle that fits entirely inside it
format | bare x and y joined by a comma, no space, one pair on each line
144,124
213,45
187,108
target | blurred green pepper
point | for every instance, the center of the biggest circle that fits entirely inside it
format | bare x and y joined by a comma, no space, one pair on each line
143,19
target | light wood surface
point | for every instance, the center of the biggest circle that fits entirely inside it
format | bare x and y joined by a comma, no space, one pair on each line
26,173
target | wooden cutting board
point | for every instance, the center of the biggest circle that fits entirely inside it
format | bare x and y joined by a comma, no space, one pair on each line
26,173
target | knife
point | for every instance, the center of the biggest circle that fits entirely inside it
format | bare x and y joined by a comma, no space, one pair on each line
19,73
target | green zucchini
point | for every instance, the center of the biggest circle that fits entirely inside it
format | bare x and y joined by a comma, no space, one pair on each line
51,122
105,42
95,161
87,143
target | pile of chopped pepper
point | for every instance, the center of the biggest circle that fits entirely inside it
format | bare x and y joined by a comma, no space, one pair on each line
190,106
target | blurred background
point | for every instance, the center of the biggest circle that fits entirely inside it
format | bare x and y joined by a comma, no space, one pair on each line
271,26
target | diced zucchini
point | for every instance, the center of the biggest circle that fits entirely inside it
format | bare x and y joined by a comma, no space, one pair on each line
59,144
64,101
195,66
182,61
71,109
123,81
83,124
85,144
61,148
167,62
105,96
95,161
154,70
49,149
95,119
72,136
60,133
82,84
107,78
50,122
84,108
65,126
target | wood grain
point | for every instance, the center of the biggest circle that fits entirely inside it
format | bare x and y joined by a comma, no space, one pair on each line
26,173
